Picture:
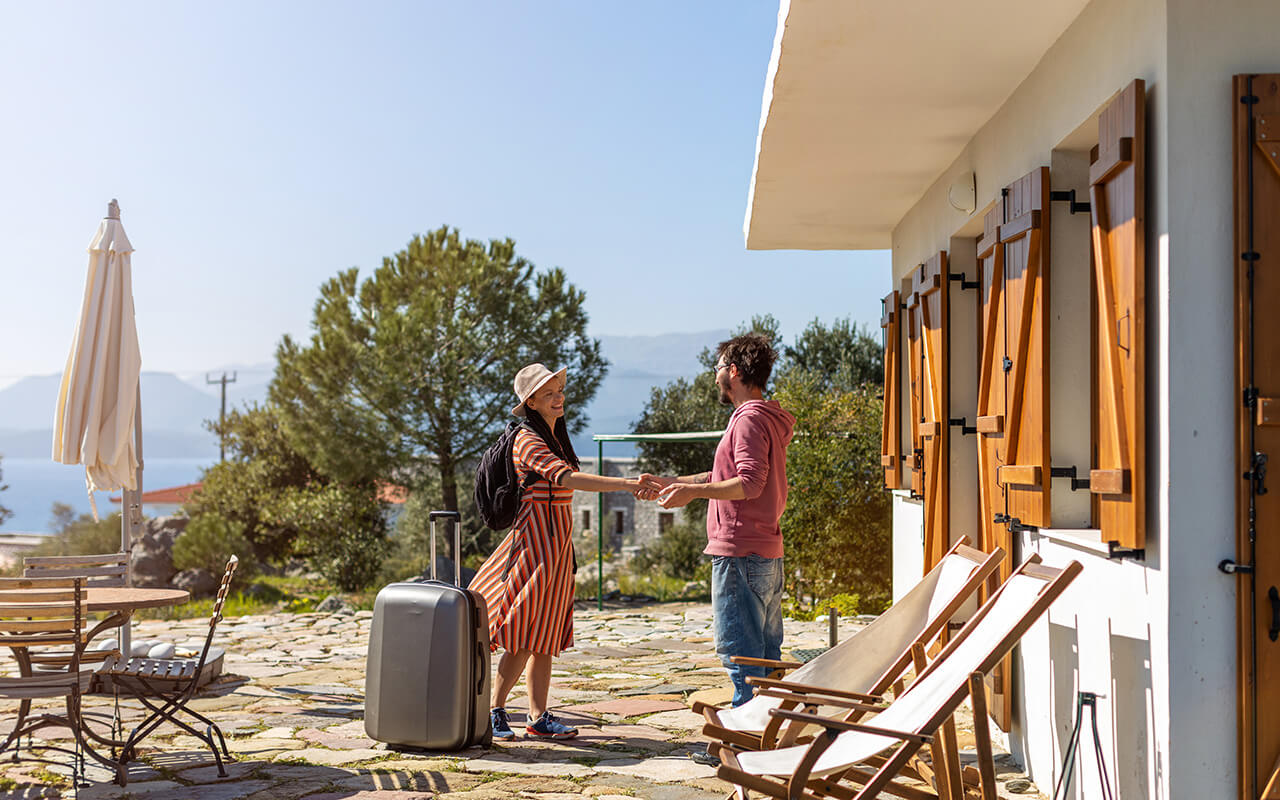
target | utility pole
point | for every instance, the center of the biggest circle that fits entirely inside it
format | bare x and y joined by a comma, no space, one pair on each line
222,415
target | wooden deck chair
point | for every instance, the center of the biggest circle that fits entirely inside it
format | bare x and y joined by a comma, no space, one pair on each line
166,687
105,569
853,753
864,666
45,613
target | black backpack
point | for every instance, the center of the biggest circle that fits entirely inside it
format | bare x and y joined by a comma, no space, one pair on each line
498,486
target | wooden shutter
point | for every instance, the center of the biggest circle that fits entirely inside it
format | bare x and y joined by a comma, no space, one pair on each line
1117,202
991,385
890,424
915,359
935,403
1013,389
1256,264
1024,236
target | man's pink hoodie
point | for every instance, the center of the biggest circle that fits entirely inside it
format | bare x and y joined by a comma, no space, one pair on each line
754,448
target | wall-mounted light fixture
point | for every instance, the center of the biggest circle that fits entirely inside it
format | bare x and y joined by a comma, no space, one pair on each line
963,194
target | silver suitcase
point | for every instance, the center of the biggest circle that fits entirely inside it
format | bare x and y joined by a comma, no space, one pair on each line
427,673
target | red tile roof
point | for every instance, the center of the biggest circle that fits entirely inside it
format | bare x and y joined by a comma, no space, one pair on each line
176,495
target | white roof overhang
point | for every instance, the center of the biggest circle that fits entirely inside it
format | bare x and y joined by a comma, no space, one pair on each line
867,102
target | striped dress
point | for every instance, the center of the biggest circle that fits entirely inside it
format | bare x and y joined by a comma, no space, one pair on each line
527,583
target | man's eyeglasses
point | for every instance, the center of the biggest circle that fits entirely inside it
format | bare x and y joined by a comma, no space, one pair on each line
719,367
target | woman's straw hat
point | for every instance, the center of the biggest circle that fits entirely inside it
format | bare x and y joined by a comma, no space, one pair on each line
529,379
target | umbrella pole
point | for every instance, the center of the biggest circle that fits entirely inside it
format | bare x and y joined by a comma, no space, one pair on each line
131,520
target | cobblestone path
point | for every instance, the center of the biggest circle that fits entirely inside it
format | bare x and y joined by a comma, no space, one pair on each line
291,702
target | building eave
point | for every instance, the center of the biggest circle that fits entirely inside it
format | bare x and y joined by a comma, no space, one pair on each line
867,103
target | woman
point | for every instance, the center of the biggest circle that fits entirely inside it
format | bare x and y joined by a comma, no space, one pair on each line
528,581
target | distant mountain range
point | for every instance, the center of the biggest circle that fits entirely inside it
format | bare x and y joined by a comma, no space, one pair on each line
174,407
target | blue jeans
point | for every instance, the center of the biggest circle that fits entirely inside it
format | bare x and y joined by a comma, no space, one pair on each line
746,597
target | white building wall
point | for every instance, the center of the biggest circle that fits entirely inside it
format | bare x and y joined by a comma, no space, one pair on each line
1208,43
1108,634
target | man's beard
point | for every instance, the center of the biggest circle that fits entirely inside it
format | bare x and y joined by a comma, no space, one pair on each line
725,400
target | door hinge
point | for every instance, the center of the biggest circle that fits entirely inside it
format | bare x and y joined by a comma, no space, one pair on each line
960,423
960,278
1008,363
1249,99
1258,474
1250,396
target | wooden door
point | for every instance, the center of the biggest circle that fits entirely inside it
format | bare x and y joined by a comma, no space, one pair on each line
932,425
1117,201
1025,464
890,424
1256,259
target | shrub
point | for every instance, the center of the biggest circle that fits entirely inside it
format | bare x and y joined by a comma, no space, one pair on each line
677,552
207,543
79,535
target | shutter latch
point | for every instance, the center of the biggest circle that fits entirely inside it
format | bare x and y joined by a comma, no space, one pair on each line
1008,363
1230,567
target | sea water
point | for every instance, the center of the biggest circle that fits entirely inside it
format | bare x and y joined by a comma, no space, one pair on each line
36,484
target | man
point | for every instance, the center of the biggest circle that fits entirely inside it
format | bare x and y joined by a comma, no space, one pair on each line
747,490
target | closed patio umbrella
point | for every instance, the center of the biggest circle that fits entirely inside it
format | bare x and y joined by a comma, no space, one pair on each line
99,411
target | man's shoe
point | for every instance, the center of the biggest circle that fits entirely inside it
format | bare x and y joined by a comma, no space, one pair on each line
501,727
704,758
548,727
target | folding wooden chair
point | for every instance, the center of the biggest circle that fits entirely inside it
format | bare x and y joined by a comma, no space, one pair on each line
866,664
103,570
166,687
45,613
847,760
106,569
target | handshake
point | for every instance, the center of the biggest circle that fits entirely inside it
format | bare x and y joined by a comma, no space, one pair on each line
669,492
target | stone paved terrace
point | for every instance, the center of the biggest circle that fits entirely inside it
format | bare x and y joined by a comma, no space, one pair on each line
291,702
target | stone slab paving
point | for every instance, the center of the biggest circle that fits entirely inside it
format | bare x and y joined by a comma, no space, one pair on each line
291,704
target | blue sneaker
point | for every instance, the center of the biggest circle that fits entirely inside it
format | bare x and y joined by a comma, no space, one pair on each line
548,727
501,727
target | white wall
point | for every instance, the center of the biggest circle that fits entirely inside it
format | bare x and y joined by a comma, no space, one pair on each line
1109,633
1208,43
908,543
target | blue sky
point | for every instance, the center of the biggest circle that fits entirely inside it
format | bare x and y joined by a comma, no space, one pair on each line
257,148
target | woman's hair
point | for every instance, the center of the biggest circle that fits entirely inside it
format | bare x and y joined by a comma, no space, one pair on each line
557,439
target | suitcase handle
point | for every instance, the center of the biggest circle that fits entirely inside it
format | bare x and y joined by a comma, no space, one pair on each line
457,544
482,669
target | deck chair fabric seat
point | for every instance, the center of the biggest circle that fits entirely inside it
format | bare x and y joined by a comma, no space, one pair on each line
917,716
874,657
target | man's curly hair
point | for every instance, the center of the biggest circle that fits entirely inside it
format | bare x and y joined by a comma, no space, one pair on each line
753,356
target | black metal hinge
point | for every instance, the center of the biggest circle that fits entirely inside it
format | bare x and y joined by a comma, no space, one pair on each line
1258,474
959,277
1250,396
1070,197
960,423
1077,484
1249,99
1008,363
1014,524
